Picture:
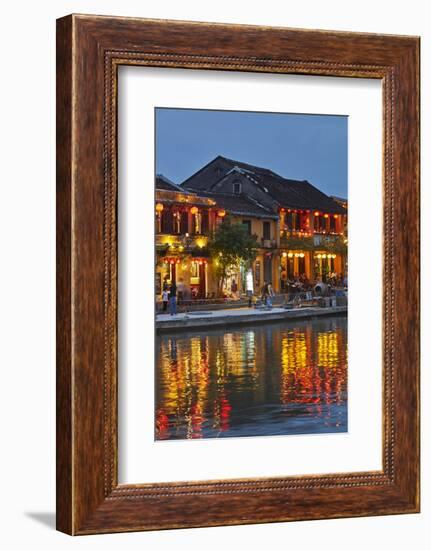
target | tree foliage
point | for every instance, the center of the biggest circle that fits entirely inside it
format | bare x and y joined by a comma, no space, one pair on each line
230,247
297,243
334,244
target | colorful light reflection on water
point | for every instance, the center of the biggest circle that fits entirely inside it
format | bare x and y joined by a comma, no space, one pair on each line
273,379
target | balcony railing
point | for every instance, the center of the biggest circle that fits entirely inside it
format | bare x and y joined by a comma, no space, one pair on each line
268,243
300,233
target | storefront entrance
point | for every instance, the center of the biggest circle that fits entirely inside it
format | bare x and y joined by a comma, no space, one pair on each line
292,266
198,275
267,268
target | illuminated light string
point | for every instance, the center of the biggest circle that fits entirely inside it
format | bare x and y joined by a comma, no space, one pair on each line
323,256
291,254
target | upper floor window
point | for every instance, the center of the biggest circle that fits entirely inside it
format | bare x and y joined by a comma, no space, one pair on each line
332,224
266,231
237,187
292,221
247,224
319,223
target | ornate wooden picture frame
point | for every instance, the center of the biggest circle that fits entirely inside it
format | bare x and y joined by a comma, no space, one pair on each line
89,51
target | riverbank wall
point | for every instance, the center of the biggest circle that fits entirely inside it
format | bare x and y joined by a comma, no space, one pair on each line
239,317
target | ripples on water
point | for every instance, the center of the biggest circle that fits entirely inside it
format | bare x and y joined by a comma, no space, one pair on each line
273,379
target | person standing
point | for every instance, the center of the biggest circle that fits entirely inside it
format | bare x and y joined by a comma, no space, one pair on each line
270,295
173,299
264,293
249,287
165,299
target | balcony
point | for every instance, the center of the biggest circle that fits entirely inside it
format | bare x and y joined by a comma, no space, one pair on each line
268,243
296,240
174,244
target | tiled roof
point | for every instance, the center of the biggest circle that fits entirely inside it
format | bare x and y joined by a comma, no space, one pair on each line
162,182
239,205
287,192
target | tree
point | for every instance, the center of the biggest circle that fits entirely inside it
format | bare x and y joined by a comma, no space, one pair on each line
335,244
230,247
297,243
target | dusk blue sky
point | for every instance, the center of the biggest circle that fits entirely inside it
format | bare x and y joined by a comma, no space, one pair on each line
303,147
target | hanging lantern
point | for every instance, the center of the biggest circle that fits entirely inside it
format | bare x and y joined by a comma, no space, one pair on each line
194,210
317,213
326,215
302,255
221,213
336,216
323,255
284,254
290,255
159,207
319,256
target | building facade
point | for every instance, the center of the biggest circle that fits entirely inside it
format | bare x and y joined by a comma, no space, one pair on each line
301,232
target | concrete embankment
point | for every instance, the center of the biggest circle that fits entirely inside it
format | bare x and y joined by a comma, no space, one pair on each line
240,316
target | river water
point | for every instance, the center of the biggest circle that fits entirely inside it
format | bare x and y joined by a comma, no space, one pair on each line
270,379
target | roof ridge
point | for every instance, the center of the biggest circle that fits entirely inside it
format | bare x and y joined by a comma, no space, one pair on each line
239,162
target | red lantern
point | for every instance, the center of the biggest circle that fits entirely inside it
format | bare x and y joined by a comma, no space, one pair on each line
194,210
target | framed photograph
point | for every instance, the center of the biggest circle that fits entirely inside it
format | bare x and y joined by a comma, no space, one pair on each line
237,274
